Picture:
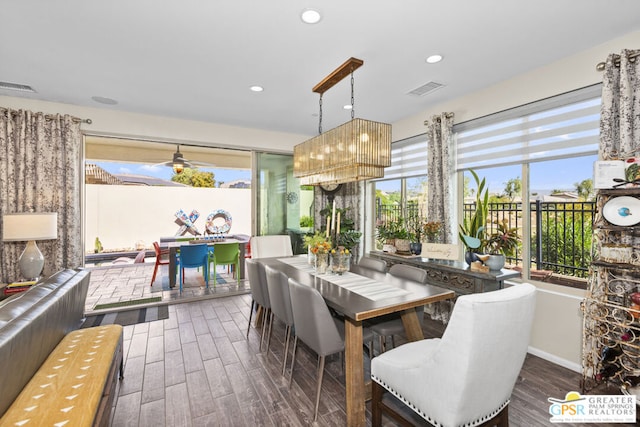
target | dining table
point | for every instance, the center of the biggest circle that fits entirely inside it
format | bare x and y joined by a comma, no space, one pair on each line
174,248
359,298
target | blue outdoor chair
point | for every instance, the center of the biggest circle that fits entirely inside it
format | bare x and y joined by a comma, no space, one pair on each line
194,256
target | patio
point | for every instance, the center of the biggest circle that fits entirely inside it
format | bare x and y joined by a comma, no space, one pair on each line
128,282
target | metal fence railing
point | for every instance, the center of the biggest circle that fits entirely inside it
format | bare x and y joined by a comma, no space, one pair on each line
561,232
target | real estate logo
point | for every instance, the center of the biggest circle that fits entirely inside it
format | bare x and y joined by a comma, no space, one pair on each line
576,408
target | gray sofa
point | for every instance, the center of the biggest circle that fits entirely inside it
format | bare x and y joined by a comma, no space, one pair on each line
32,324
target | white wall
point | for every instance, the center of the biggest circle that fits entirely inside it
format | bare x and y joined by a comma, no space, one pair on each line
555,315
121,215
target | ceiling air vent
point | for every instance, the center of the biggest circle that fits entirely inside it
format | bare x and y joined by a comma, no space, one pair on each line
16,86
426,88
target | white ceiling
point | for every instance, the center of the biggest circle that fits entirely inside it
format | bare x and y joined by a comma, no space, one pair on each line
196,59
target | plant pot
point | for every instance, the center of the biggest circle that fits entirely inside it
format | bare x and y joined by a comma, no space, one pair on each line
389,248
495,262
402,245
415,248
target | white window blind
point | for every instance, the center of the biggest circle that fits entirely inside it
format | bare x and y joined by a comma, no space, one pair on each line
566,125
408,158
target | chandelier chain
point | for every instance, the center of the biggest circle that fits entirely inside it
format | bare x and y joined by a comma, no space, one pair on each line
353,109
320,117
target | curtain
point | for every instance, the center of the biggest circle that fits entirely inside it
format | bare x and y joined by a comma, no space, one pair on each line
439,203
620,114
439,169
40,171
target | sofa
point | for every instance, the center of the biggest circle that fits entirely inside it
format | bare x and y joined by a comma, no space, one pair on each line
32,324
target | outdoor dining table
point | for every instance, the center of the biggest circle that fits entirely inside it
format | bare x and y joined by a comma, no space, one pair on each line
174,247
360,298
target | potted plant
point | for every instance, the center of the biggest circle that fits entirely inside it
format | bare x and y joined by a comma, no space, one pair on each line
415,224
472,230
431,230
385,235
503,242
311,241
401,235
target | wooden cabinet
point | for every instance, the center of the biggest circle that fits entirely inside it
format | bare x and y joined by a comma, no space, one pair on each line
611,342
453,275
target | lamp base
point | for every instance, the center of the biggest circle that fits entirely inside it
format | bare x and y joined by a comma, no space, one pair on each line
31,261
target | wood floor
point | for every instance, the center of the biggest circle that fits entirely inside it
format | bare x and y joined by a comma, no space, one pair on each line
198,369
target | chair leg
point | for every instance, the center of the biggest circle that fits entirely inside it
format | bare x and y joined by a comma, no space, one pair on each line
270,331
376,397
215,274
153,278
319,385
383,344
286,349
393,341
181,278
253,304
265,325
293,358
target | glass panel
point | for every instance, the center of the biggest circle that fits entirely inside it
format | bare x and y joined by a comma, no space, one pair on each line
282,205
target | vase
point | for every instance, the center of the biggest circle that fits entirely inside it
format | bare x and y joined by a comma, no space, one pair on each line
311,257
495,262
415,248
340,263
322,262
402,245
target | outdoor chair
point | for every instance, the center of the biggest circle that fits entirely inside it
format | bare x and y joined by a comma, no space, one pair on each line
391,324
162,258
194,256
225,254
467,377
270,246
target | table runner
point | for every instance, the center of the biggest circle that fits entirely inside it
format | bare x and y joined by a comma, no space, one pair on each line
363,286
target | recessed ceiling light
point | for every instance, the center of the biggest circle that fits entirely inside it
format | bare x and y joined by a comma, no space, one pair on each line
434,58
103,100
348,107
310,16
257,88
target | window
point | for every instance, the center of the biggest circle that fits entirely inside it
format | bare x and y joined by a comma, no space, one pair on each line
538,162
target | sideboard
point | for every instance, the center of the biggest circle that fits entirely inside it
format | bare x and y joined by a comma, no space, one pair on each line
453,275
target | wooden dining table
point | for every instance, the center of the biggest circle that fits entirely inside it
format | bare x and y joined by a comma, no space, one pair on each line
174,247
360,298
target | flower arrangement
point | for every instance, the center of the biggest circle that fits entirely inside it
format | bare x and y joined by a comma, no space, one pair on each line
431,230
340,260
321,248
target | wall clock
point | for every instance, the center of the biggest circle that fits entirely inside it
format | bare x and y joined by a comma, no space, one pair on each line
330,188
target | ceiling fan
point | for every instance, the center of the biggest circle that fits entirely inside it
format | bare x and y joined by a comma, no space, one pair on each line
179,163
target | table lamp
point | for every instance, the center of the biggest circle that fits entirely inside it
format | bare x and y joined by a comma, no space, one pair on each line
19,227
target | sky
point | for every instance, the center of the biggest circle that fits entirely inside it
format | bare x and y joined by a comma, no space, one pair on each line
165,172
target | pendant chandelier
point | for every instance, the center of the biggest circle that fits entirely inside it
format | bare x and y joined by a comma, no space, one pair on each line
354,151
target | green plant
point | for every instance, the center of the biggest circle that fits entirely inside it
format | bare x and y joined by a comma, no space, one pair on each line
415,224
472,230
503,240
315,239
431,230
348,239
306,221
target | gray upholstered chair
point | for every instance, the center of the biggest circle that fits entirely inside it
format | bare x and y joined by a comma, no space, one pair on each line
315,326
391,325
260,295
278,286
370,267
467,377
270,246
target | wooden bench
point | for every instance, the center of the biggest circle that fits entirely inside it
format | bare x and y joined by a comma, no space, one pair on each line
75,386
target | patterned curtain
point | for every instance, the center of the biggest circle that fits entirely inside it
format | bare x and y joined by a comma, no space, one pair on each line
439,140
620,114
40,171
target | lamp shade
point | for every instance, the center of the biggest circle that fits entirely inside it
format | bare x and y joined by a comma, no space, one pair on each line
29,226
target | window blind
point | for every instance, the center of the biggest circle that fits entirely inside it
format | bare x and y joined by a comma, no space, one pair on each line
408,158
566,125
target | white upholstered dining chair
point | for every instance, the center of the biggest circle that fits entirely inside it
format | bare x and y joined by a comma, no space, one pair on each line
270,246
466,377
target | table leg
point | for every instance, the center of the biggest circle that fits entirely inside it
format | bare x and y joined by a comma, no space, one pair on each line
412,326
172,266
354,373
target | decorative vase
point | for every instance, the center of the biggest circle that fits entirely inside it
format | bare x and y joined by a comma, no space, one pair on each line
388,248
340,263
402,245
495,262
311,257
322,262
415,248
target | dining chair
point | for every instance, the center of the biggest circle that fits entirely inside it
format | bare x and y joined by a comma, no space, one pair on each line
225,254
315,326
194,256
259,293
280,299
162,258
391,324
270,246
370,267
465,378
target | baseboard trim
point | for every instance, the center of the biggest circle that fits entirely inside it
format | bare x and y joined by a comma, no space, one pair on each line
555,359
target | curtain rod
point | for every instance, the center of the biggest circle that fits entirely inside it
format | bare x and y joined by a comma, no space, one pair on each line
50,116
616,60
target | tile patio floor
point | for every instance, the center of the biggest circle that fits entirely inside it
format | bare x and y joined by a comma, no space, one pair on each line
126,282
